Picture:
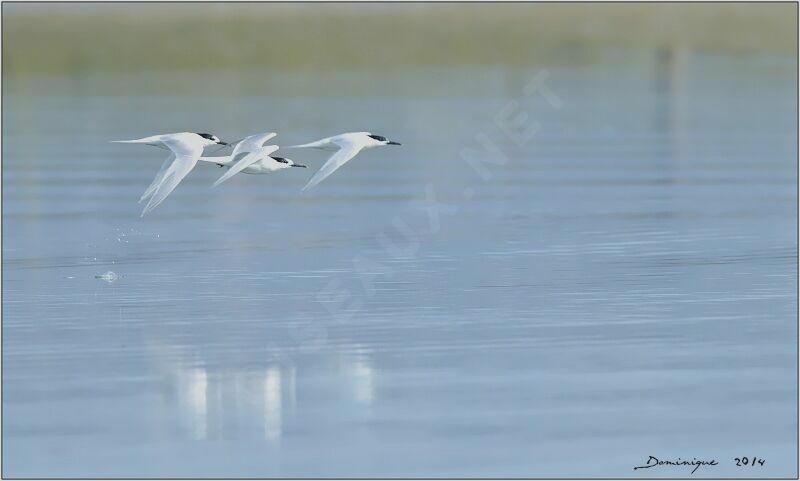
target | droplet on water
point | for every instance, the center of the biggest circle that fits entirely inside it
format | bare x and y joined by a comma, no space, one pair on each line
109,276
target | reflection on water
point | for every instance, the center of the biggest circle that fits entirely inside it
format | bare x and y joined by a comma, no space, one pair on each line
362,378
624,286
272,404
193,399
251,402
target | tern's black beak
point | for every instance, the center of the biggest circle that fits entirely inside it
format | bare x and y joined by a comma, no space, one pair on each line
223,143
392,142
299,165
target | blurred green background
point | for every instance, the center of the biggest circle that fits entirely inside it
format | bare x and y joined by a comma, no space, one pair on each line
108,38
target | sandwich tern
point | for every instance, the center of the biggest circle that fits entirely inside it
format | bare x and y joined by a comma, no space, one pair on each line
186,148
251,156
346,147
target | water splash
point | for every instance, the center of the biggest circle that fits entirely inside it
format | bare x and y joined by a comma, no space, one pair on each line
109,276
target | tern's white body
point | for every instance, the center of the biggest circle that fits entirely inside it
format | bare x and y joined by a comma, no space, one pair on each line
345,146
263,166
186,148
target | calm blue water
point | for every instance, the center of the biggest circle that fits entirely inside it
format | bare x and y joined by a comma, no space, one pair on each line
624,285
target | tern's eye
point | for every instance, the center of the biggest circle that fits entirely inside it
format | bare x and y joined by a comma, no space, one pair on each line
378,138
281,160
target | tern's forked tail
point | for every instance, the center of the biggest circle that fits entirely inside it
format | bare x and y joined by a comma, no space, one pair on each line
318,144
144,140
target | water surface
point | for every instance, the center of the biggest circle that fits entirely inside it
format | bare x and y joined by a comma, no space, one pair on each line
622,286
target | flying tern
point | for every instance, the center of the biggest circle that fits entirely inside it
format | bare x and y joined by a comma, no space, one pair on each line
186,148
346,147
251,156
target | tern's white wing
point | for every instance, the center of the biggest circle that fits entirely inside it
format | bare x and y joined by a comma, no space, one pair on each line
159,177
246,161
347,151
186,156
252,143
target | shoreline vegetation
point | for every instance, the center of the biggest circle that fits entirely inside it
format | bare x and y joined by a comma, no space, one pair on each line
51,39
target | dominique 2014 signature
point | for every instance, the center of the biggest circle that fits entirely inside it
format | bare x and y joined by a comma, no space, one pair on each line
653,461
